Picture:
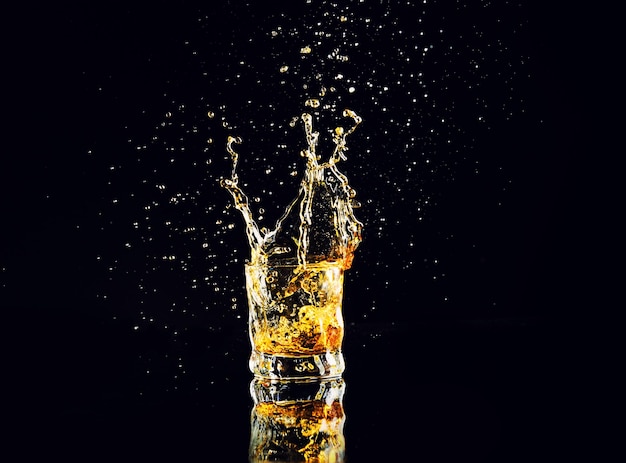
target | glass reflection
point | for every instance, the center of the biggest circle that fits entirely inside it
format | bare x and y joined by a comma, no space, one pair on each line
299,420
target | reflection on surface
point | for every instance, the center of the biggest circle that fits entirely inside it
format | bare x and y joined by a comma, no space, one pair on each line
297,421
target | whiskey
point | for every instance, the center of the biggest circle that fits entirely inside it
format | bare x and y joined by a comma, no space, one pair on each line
295,319
294,278
297,421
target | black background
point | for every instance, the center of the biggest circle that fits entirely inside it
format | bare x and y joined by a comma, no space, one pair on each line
465,383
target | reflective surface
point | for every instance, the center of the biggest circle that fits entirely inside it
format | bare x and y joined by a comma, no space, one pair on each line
294,421
474,391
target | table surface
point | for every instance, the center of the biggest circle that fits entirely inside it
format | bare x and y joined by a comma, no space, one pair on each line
447,390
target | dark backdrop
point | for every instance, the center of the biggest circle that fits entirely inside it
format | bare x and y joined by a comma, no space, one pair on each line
478,317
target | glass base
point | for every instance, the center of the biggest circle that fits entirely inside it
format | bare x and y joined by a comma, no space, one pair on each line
326,365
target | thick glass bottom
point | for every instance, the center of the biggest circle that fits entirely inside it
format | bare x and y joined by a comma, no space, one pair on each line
325,365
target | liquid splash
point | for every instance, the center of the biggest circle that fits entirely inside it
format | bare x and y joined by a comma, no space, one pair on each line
436,76
319,224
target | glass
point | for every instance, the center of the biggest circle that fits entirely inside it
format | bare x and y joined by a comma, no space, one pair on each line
295,319
297,420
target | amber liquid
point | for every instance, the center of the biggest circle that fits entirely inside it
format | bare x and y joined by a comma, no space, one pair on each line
309,431
295,319
292,428
294,278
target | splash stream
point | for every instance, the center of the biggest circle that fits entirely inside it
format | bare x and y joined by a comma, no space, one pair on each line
319,224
